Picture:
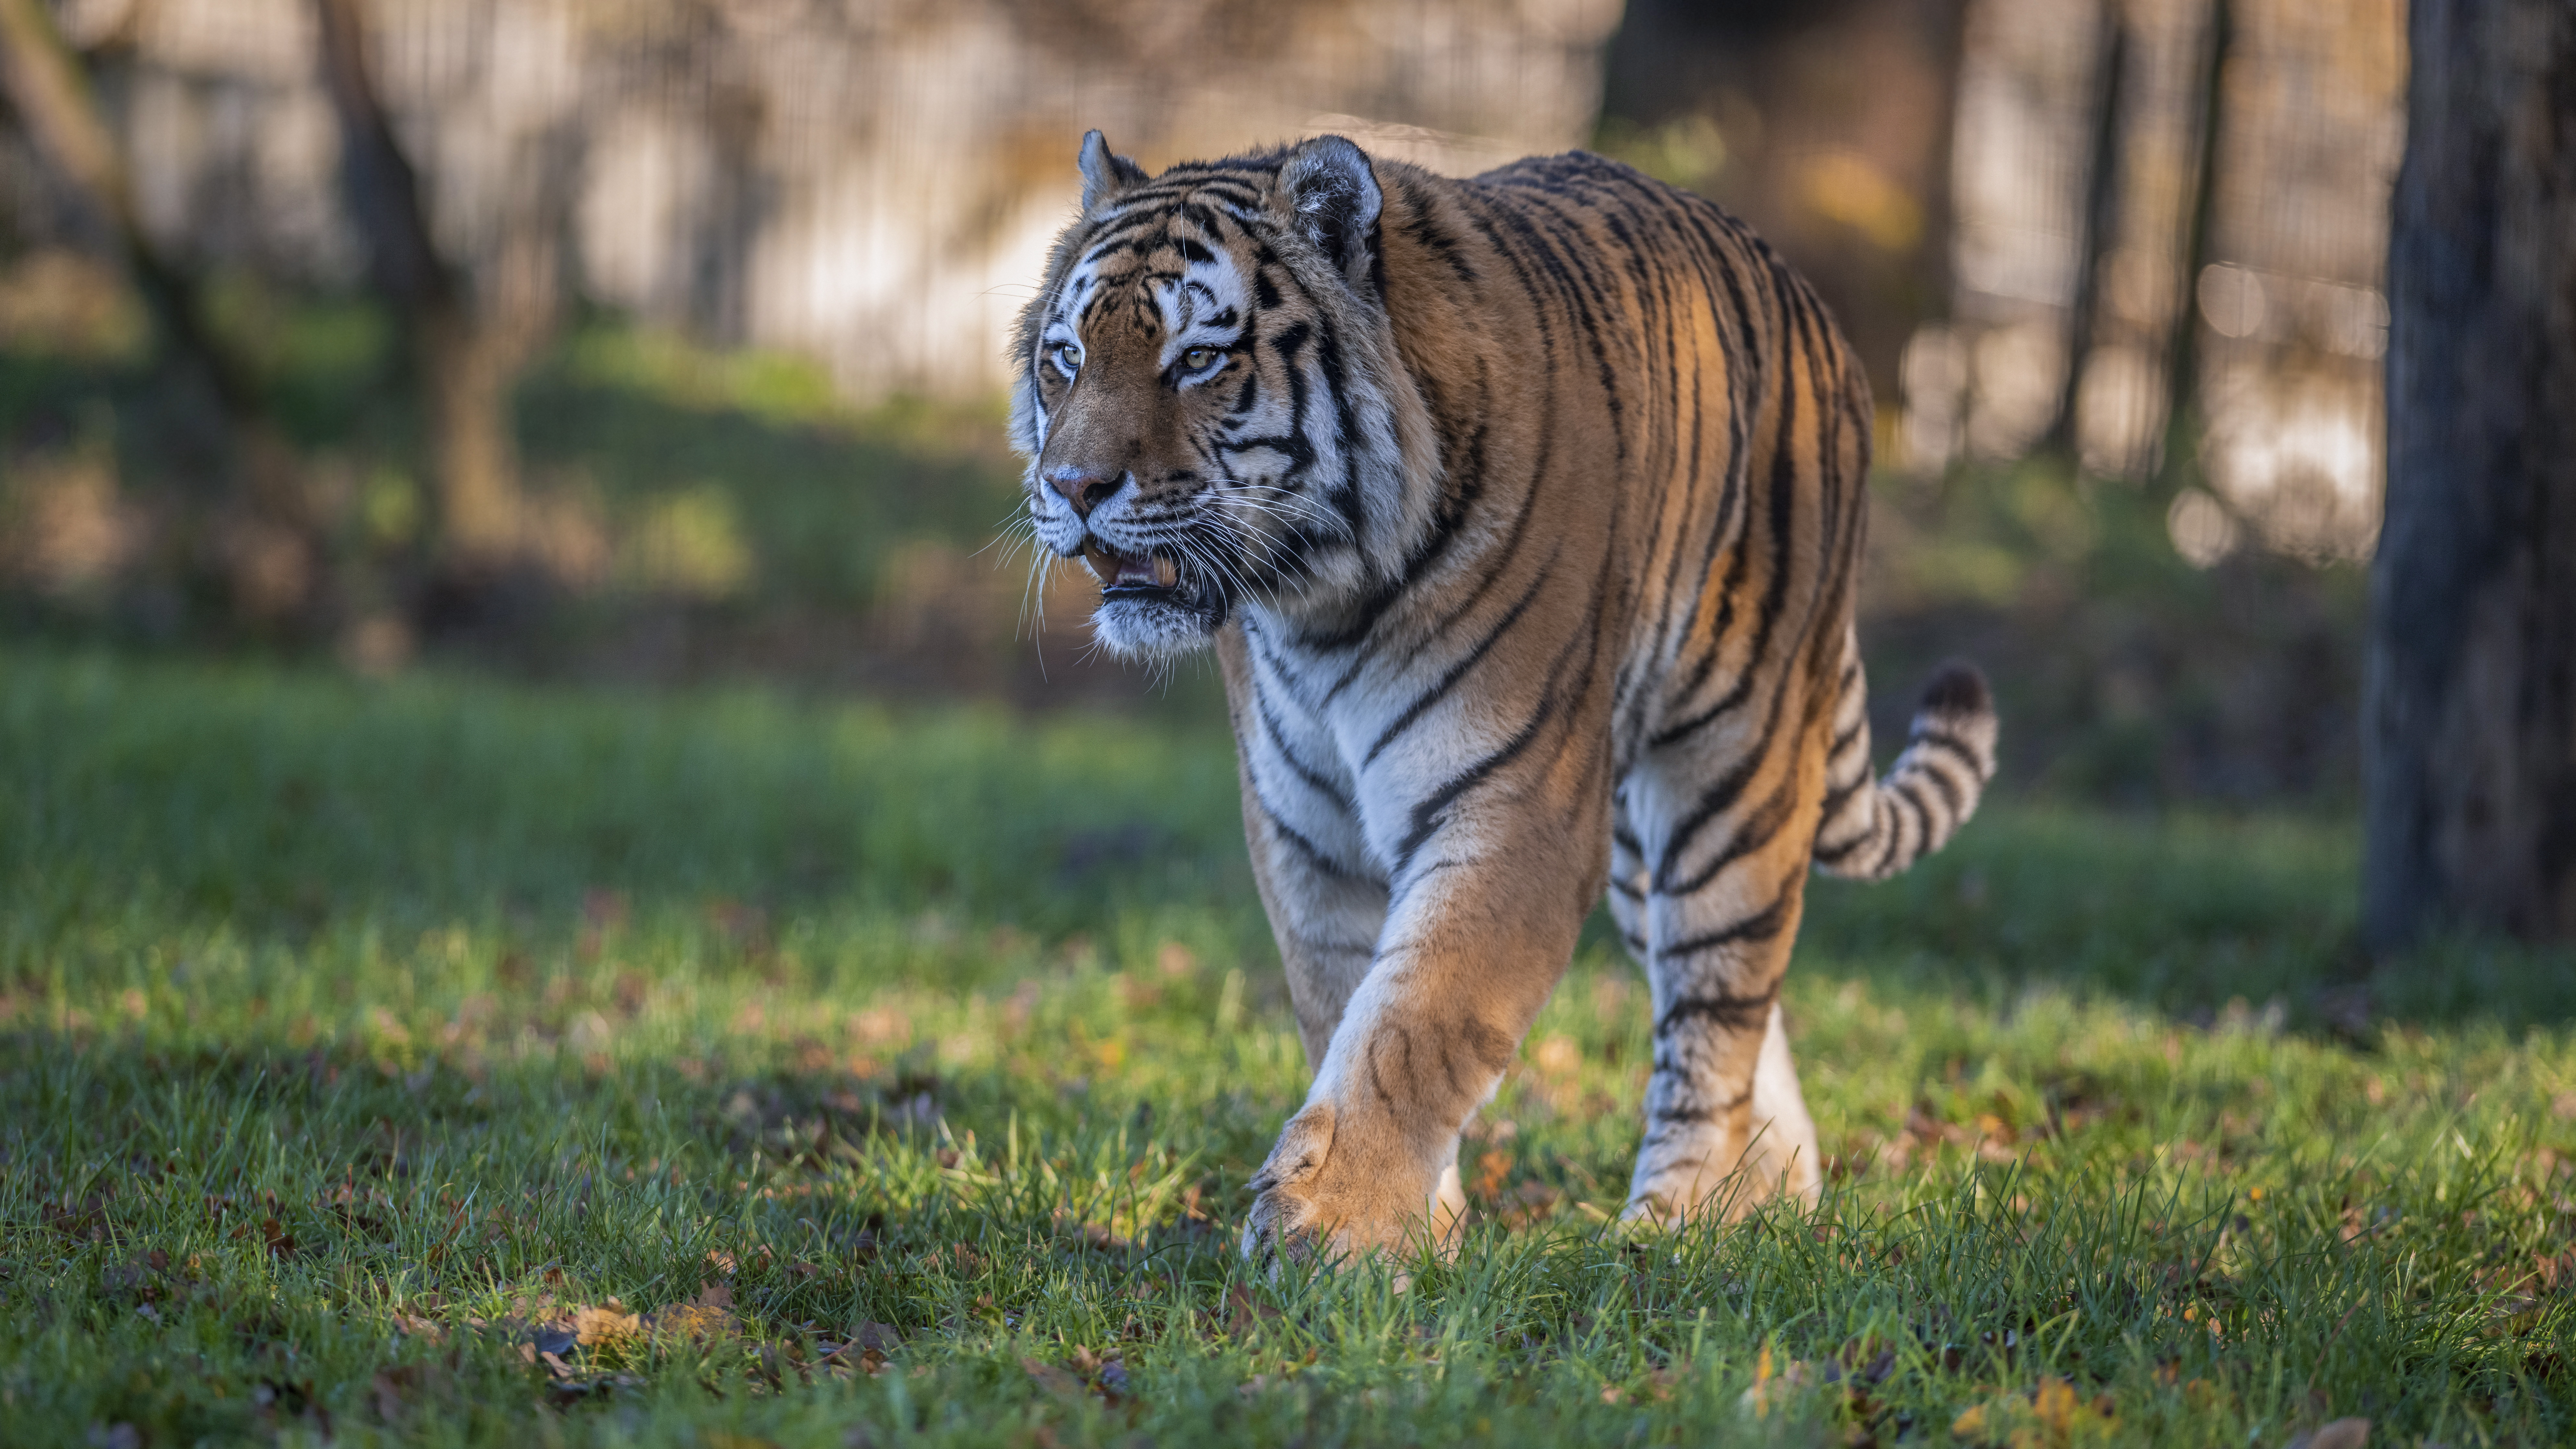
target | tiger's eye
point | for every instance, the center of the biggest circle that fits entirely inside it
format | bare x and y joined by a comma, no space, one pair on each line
1200,359
1068,356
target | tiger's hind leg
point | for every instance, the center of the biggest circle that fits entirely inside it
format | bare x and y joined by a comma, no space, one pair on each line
1707,885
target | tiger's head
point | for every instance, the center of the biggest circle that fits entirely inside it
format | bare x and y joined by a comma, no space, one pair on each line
1210,397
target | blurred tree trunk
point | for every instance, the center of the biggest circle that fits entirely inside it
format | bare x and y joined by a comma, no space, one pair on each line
1835,119
2470,745
2100,224
2181,450
464,364
263,538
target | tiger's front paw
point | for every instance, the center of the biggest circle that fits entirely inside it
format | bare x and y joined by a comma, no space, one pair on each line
1341,1187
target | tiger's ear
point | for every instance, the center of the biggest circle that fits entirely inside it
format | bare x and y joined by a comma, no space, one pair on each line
1104,175
1332,198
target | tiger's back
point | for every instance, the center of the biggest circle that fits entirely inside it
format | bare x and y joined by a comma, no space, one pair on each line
1524,514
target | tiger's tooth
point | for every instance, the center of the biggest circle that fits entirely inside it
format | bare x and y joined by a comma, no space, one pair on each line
1166,574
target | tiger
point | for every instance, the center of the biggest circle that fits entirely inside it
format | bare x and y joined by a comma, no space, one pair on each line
1523,514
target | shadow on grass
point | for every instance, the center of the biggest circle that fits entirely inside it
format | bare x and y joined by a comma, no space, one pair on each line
165,809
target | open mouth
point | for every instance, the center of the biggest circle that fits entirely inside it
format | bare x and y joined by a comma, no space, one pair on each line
1130,576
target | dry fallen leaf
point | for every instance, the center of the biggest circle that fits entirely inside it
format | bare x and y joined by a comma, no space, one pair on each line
600,1327
709,1316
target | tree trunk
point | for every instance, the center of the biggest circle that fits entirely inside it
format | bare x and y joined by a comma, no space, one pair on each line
464,366
2100,223
2470,721
2181,453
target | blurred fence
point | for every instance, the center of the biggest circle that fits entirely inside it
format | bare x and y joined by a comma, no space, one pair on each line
873,182
2143,201
2177,197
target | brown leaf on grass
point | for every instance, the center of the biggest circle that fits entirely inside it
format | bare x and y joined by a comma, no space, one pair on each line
144,1277
603,1326
707,1317
868,1348
2339,1434
85,1219
412,1325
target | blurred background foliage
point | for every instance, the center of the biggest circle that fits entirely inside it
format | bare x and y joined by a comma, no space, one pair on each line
734,278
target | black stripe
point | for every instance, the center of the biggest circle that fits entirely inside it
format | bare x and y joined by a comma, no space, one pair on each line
1315,779
1430,811
1950,793
1449,680
1757,831
1951,744
1718,797
1839,796
1847,739
1315,855
1893,799
1741,1013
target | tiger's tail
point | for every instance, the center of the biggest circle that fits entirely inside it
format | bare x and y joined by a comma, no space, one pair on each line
1874,828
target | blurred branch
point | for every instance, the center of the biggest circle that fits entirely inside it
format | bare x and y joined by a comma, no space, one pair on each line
46,84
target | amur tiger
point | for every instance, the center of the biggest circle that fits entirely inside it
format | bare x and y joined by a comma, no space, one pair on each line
1523,513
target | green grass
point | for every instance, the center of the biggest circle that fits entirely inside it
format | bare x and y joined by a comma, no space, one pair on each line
900,1074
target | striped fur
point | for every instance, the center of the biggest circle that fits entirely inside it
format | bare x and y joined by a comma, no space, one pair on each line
1523,514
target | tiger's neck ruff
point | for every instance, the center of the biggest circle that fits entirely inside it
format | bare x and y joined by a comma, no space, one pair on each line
1523,513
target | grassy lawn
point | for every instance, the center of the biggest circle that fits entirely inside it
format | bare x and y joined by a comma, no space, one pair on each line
435,1062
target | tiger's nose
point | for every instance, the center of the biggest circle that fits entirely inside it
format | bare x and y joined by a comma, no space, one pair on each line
1085,491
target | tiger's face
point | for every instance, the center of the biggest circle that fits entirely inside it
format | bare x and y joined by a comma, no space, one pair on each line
1202,431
